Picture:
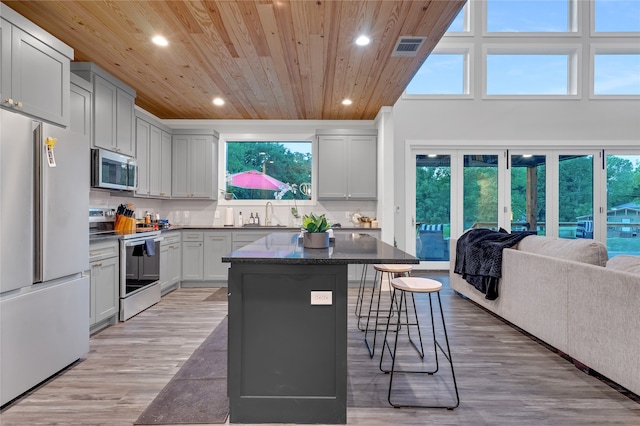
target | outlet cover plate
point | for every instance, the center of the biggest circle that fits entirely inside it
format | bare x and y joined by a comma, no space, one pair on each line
321,297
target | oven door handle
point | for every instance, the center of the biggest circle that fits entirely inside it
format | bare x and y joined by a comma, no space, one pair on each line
141,241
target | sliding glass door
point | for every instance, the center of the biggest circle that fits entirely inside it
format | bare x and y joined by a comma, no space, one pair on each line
575,196
433,206
623,204
528,192
480,191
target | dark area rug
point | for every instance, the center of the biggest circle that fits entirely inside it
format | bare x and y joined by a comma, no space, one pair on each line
220,295
198,392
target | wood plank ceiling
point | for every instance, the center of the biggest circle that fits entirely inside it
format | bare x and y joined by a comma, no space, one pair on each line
268,59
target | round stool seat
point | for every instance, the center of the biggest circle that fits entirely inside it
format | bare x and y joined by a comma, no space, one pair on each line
393,268
416,284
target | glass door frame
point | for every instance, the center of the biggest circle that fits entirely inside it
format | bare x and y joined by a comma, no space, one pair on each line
457,192
410,180
599,190
550,199
601,215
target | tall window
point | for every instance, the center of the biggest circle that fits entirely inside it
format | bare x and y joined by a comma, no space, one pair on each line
616,74
528,16
265,170
441,74
529,74
617,15
461,22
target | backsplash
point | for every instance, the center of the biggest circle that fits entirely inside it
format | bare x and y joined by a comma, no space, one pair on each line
203,212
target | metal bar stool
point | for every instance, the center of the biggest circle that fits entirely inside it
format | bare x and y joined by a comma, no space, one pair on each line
412,285
381,270
361,292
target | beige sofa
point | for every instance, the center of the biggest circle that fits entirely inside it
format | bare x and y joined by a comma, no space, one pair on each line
569,295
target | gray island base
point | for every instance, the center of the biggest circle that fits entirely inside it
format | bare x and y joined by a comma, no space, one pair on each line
287,348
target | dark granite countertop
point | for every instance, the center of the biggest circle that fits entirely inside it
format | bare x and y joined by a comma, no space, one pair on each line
352,248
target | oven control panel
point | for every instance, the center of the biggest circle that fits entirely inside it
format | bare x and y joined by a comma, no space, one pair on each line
102,214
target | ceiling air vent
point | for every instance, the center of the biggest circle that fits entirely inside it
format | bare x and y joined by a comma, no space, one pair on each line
408,46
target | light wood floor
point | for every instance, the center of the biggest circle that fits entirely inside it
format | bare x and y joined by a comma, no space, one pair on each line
504,377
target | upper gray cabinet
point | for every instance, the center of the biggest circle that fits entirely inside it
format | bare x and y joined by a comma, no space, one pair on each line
194,171
153,155
80,105
34,74
347,166
113,109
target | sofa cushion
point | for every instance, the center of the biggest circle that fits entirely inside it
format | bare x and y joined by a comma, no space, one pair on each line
625,262
578,250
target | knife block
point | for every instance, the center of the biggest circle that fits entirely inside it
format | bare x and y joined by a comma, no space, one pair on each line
124,224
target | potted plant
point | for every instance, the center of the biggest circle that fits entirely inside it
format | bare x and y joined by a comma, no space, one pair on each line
316,235
228,195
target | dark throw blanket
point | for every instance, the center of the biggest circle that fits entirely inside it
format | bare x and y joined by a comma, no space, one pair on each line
479,258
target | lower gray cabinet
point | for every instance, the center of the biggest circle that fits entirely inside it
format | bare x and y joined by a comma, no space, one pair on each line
104,294
192,255
216,245
170,262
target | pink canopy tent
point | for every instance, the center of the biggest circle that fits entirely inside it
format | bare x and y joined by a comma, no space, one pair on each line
254,179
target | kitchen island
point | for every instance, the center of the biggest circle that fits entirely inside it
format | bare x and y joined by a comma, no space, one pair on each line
287,348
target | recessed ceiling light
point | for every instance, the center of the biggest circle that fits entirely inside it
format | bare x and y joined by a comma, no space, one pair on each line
346,102
160,41
218,101
362,40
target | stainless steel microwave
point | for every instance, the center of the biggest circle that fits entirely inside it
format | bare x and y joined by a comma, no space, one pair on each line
113,171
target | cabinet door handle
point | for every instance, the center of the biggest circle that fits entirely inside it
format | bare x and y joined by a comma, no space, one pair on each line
96,265
19,104
8,101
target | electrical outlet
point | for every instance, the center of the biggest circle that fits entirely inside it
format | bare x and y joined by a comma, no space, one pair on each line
217,214
321,297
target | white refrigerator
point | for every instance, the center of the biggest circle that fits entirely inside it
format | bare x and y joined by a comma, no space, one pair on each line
44,251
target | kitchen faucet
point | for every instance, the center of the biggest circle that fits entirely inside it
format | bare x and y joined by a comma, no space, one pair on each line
267,218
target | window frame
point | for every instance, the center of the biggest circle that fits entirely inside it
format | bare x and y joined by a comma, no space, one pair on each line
574,71
467,51
592,26
467,22
284,138
574,11
608,49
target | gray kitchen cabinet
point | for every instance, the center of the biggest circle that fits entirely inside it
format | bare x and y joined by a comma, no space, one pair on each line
153,155
34,70
113,110
347,167
194,166
143,134
192,256
170,262
165,165
80,106
104,288
242,238
216,245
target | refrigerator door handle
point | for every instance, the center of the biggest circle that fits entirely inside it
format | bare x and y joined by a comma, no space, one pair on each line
38,192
